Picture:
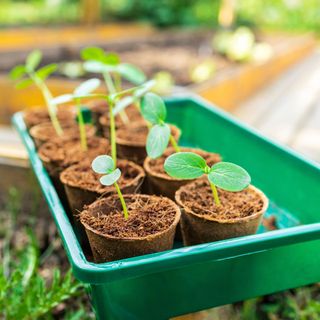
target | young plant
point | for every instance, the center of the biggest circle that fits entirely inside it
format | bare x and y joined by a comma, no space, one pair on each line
224,175
112,70
28,75
84,90
105,165
154,111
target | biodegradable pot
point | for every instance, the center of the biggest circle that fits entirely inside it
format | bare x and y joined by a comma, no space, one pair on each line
160,183
132,113
150,227
98,108
131,141
60,153
35,116
45,132
240,213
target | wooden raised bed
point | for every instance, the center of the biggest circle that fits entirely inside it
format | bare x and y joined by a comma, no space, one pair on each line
175,53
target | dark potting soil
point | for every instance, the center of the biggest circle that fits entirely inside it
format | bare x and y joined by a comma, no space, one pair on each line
137,134
157,165
197,196
147,215
132,113
66,152
82,176
36,116
270,223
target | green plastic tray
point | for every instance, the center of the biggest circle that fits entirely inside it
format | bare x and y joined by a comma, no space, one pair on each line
188,279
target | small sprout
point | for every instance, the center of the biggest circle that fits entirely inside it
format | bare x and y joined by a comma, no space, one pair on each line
105,165
108,64
154,111
84,90
224,175
28,75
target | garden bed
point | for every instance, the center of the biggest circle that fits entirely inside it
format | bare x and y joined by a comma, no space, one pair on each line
232,83
271,261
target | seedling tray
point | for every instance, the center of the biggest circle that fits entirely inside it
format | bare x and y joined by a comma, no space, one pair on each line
188,279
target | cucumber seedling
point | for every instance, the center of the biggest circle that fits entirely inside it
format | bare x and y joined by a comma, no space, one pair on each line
154,111
28,75
112,70
83,91
105,165
224,175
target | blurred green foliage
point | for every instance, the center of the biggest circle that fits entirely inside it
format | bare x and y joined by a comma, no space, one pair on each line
275,14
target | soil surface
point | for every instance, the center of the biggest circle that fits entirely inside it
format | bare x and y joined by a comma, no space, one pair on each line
197,196
82,176
66,152
46,131
136,135
147,215
156,165
40,115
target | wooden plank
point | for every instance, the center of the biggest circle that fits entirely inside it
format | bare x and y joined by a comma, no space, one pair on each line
254,110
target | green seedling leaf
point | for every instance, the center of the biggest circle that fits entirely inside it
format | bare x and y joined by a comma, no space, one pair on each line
17,72
131,73
122,104
229,176
111,178
144,88
153,108
103,164
24,84
46,71
97,67
62,99
87,87
92,53
33,60
157,140
185,165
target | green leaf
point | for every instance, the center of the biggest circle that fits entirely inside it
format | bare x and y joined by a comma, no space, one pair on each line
144,88
92,53
185,165
45,71
153,108
87,87
229,176
97,67
33,60
157,140
102,164
24,84
131,73
17,72
111,178
62,99
111,58
122,104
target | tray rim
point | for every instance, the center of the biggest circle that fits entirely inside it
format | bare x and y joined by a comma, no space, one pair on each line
93,273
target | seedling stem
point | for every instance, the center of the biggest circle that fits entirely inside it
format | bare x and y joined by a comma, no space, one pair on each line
174,143
123,203
82,128
112,133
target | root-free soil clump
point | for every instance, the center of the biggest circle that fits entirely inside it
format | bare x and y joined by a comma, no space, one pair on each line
147,216
198,197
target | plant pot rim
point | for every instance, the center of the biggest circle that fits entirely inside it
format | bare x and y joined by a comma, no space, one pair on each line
256,215
126,142
137,179
148,237
47,160
163,176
